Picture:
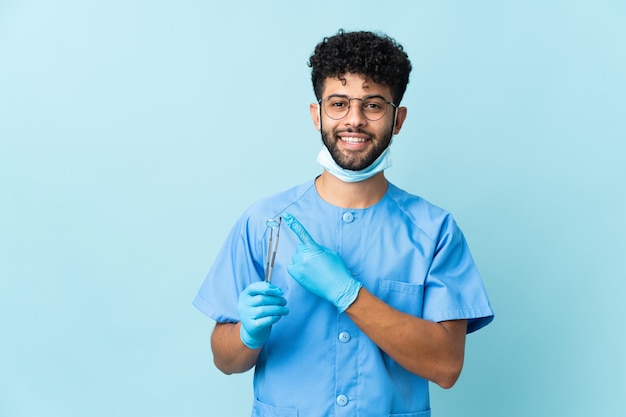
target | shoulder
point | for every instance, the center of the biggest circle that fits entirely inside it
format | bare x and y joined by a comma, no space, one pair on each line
428,217
272,206
251,225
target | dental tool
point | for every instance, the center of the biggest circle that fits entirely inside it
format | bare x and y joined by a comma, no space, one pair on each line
273,226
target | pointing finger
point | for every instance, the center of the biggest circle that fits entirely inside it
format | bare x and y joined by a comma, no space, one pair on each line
298,229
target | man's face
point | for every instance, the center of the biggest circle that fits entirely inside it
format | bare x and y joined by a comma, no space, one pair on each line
354,141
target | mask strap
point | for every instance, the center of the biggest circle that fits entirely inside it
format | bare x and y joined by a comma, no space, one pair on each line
395,117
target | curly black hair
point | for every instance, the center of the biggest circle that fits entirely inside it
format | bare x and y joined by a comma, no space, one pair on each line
378,57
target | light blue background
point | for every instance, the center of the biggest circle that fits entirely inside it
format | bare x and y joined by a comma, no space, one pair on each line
133,133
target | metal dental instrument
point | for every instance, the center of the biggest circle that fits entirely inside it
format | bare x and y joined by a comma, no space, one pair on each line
274,226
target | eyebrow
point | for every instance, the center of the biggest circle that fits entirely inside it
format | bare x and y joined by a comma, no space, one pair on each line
358,98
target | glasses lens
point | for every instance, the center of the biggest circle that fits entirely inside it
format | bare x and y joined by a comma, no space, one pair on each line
374,108
336,107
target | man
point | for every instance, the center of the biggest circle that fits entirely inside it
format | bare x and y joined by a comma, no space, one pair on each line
373,289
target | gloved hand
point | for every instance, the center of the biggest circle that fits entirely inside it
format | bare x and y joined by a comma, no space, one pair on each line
260,305
321,270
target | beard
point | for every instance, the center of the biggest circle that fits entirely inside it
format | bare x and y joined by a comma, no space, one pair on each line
351,160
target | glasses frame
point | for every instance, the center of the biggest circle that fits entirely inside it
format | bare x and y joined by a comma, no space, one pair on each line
363,99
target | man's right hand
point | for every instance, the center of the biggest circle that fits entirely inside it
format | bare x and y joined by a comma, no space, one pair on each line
260,305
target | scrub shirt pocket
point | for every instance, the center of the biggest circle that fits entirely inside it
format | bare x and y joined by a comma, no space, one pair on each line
260,409
404,296
420,414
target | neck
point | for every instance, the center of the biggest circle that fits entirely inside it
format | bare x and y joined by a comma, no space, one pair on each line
355,195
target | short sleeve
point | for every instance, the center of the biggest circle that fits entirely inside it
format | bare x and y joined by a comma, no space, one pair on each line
454,289
234,269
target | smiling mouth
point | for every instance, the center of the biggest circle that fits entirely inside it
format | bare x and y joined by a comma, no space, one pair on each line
352,140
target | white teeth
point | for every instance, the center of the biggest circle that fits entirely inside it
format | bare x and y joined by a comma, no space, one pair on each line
353,140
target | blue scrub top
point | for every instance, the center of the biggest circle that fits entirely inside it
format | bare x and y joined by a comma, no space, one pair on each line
317,363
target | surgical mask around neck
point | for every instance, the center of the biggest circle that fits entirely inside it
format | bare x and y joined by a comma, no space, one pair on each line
325,159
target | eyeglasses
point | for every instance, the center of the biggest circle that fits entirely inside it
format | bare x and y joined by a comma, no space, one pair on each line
373,107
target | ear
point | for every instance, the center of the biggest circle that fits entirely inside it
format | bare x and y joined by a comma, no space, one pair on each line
314,108
400,118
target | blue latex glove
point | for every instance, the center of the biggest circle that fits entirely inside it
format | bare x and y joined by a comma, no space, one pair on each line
321,270
260,305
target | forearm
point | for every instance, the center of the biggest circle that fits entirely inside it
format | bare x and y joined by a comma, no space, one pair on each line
431,350
230,355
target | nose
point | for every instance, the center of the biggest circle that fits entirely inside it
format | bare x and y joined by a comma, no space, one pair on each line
355,116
